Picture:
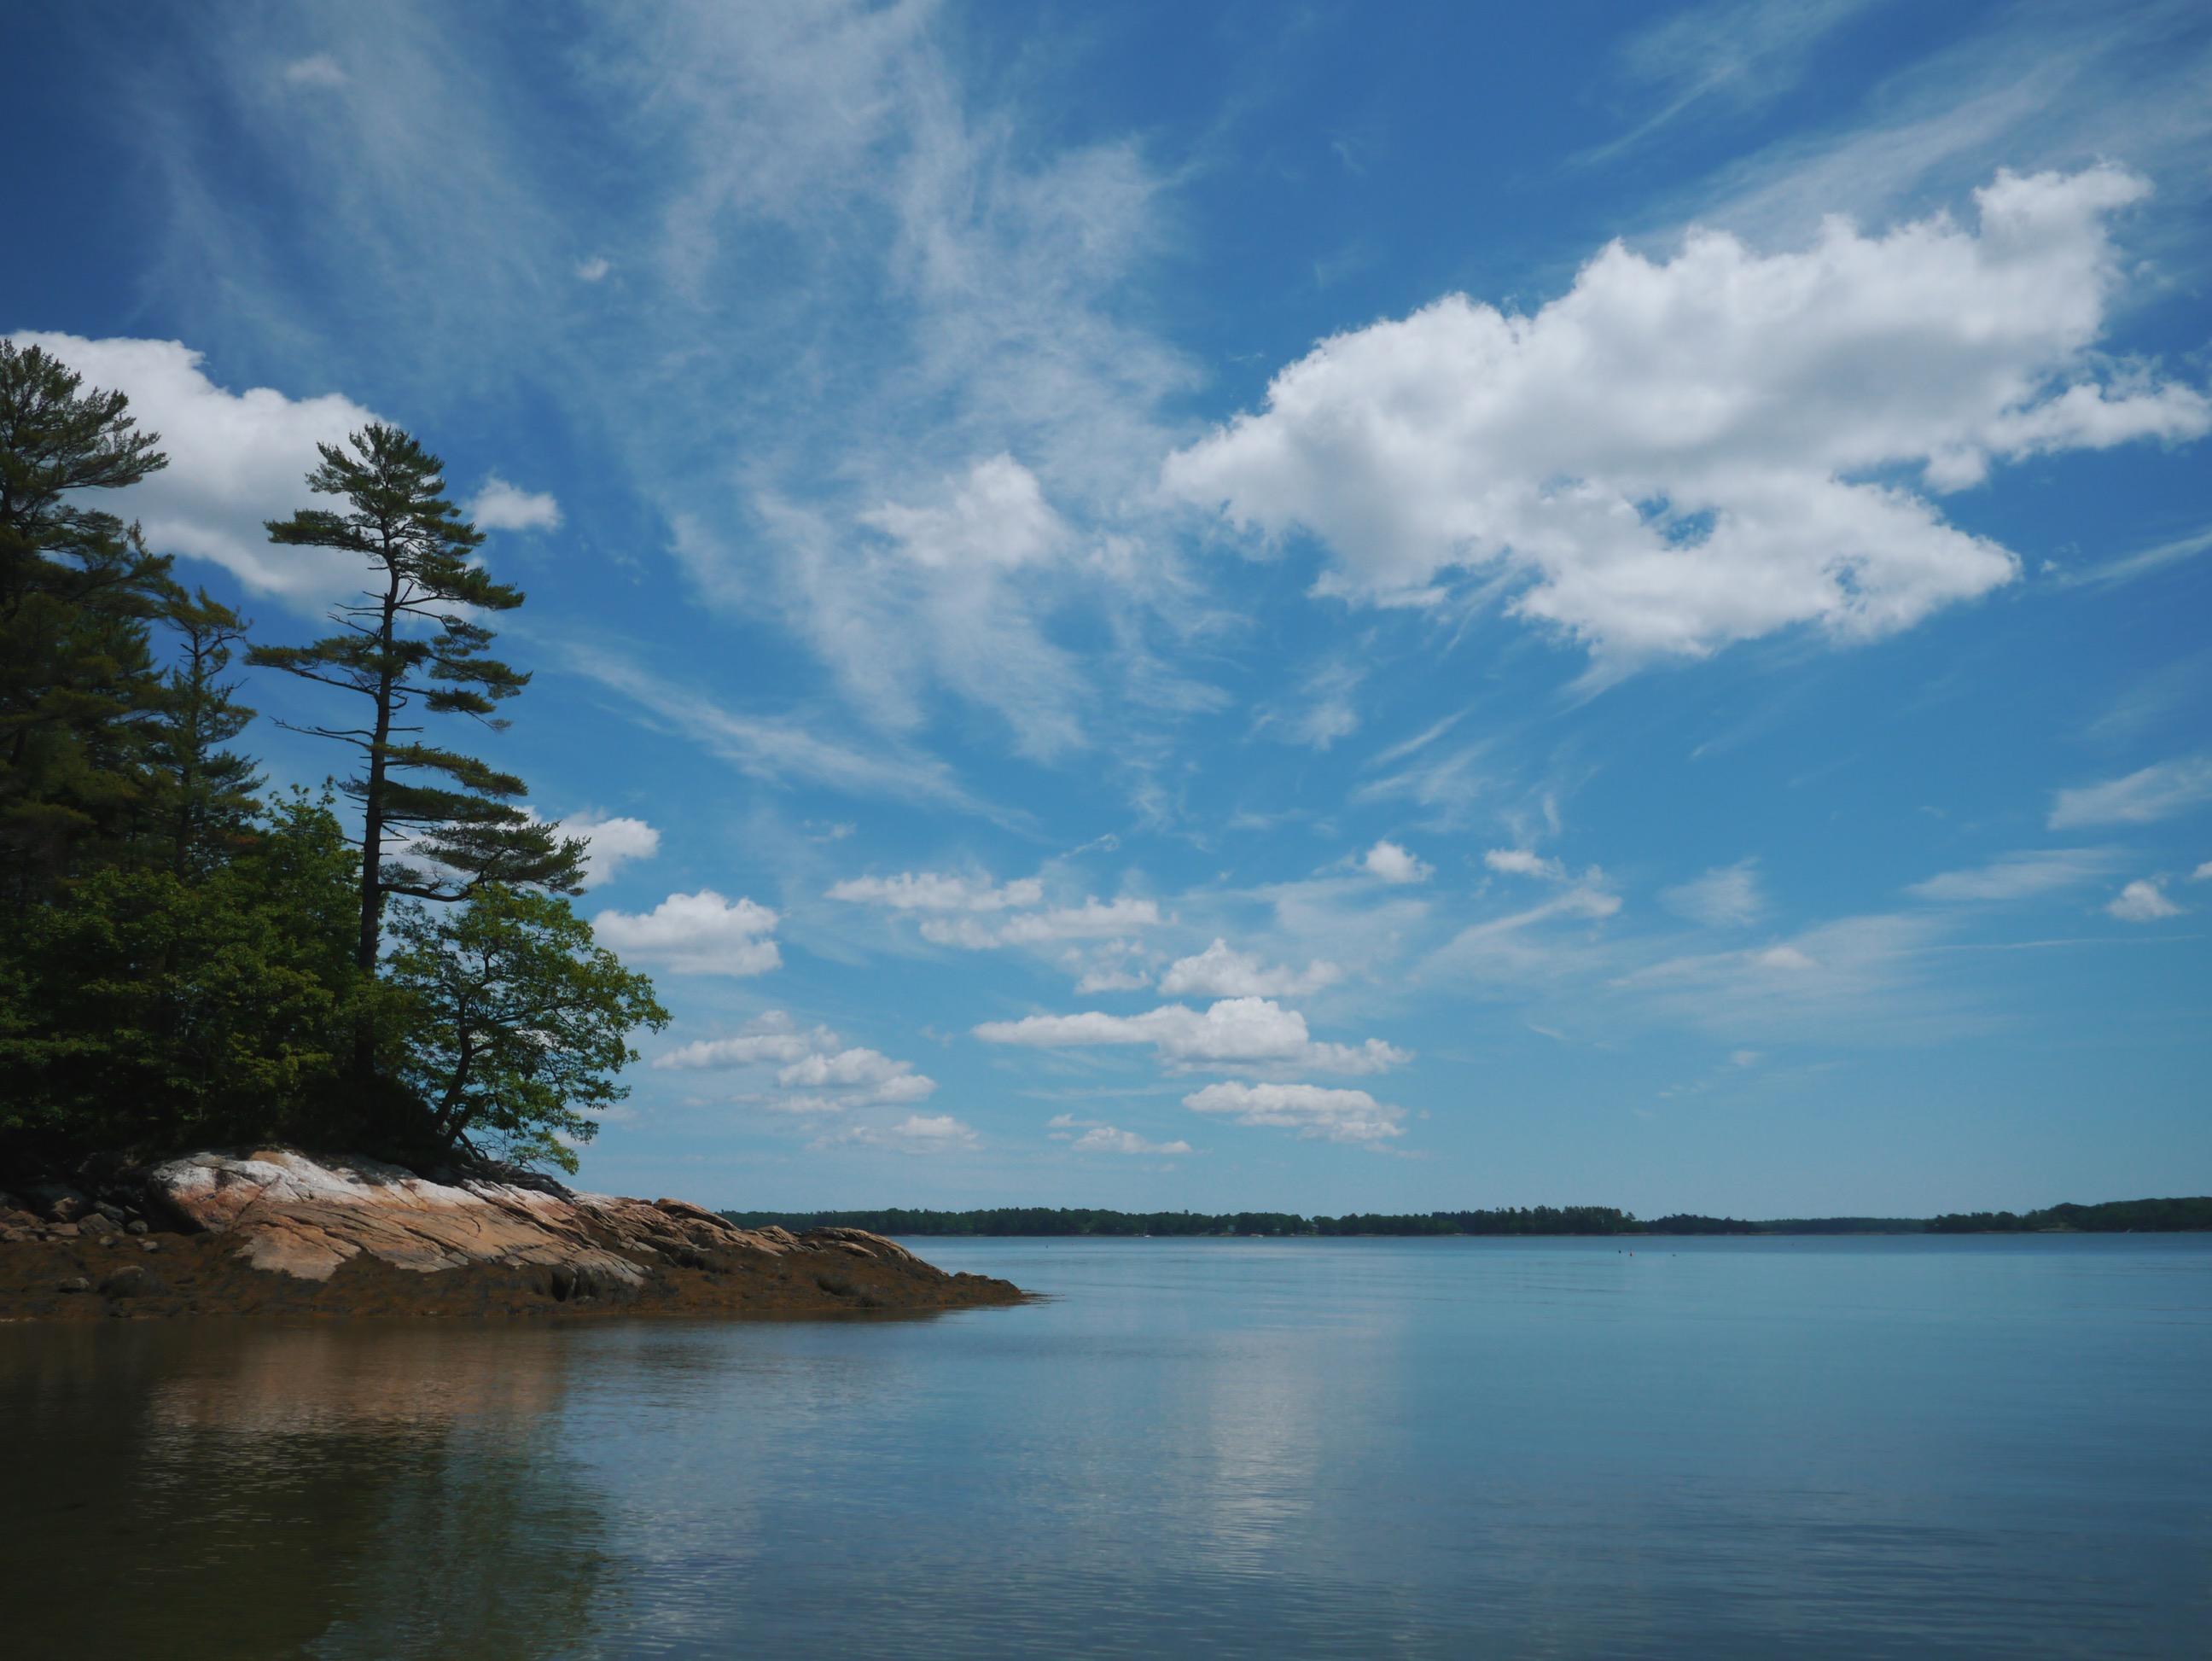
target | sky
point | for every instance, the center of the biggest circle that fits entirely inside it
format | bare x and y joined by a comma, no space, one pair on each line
1237,605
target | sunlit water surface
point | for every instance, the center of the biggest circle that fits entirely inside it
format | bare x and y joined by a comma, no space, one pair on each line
1904,1447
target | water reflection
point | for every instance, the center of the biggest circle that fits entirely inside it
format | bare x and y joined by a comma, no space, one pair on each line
1417,1448
237,1491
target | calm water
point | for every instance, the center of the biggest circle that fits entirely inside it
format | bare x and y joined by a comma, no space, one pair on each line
1452,1447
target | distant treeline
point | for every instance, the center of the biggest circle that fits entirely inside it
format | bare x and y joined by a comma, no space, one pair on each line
2114,1217
1040,1221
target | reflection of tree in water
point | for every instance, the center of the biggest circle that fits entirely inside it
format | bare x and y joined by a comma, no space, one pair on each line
325,1492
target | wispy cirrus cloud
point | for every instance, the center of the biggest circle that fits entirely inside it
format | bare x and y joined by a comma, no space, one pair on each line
2019,876
2157,792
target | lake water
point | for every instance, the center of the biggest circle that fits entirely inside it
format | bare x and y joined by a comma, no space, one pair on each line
1812,1447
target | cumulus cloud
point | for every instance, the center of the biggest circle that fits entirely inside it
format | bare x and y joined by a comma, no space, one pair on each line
1311,1110
593,270
614,843
2202,873
1109,978
1233,1032
236,459
699,934
1393,864
2142,900
816,1069
1676,455
1106,1139
861,1077
996,518
933,891
774,1036
2157,792
918,1133
1727,897
1221,972
2017,876
503,507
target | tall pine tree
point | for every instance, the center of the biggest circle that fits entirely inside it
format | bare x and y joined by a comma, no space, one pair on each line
78,687
436,823
206,801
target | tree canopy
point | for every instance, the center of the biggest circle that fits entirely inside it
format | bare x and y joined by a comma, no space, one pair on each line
187,962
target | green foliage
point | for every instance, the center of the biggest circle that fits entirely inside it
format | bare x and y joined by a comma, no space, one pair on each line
437,823
180,965
518,1024
2113,1217
144,1011
206,793
78,690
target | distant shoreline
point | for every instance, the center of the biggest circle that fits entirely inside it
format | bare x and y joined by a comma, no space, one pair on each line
2169,1216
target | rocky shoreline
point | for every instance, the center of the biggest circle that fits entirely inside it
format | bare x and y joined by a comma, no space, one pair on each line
277,1233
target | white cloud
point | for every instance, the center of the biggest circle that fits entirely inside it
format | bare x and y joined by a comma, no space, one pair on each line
320,69
825,1075
503,507
236,459
2153,792
1335,1115
996,518
2142,900
2018,876
774,1036
615,842
1727,897
1105,1139
2202,873
918,1133
862,1077
1233,1032
1672,456
932,891
593,270
1106,978
1094,919
699,934
1393,864
1521,863
1221,972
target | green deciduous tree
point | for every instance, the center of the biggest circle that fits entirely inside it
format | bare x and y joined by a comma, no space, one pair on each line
140,1011
78,688
436,823
518,1024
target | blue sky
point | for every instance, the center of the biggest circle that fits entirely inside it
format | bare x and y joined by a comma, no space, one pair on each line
1335,608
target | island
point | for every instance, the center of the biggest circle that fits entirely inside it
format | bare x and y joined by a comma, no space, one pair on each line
278,1232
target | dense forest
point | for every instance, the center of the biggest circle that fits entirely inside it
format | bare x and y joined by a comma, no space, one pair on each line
186,959
1046,1222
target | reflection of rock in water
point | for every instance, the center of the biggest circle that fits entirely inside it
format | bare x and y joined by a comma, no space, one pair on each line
325,1492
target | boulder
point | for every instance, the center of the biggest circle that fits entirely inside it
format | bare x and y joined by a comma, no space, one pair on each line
300,1216
57,1202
